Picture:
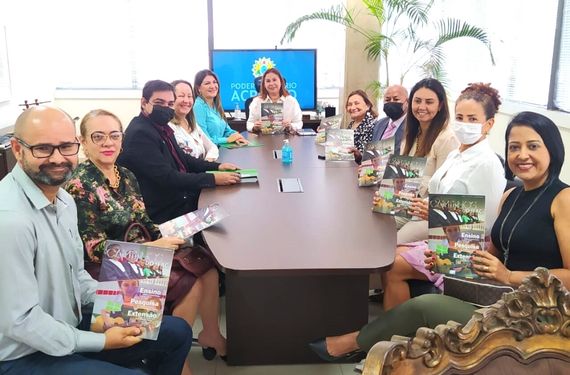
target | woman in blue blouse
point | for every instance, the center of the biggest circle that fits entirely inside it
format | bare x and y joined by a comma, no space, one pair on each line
209,112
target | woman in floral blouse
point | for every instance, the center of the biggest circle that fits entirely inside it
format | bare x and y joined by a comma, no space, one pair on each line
109,200
363,116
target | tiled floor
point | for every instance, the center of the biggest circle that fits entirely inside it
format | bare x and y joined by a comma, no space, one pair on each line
218,367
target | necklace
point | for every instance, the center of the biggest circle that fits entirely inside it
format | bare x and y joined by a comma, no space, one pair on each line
117,178
506,249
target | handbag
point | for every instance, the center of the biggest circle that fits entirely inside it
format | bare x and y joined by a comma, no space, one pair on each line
189,263
478,292
143,233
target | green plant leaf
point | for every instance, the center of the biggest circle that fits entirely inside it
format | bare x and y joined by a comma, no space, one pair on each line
451,28
375,88
376,9
337,14
376,45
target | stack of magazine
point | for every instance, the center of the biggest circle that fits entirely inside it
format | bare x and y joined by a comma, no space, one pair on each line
132,287
339,144
456,229
374,160
271,118
399,186
187,225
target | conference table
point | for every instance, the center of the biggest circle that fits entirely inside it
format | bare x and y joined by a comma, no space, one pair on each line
297,264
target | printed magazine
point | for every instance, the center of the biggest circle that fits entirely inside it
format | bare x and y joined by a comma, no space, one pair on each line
187,225
338,145
271,118
374,160
132,287
456,228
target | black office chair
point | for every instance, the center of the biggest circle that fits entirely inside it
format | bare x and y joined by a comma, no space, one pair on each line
247,103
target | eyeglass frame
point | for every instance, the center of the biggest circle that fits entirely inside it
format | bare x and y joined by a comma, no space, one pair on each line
107,136
53,148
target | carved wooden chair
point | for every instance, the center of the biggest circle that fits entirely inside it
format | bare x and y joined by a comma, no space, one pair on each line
526,331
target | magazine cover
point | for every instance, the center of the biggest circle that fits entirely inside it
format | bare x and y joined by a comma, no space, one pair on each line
394,197
187,225
338,145
271,118
456,228
132,287
374,160
399,166
333,122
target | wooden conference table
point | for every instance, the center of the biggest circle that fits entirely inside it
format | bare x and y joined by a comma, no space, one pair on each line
297,264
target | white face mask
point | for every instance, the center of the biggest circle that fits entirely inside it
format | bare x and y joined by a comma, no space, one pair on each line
467,133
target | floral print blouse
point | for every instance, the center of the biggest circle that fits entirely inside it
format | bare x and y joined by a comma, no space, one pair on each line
363,133
105,213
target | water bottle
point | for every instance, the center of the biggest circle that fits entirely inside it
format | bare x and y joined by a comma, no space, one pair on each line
237,111
286,153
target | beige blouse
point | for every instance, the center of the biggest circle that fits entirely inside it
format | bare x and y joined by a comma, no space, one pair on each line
442,146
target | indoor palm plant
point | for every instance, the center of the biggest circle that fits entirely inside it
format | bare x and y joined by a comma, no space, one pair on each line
402,24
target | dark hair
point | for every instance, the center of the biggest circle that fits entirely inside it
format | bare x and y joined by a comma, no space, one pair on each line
367,100
484,94
155,86
198,79
437,124
282,91
190,115
550,135
96,113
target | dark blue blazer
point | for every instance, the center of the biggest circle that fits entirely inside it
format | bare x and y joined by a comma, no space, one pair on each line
379,129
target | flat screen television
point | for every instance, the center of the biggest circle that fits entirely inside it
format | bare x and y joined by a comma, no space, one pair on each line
236,70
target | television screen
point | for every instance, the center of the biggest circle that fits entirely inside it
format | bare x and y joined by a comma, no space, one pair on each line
237,69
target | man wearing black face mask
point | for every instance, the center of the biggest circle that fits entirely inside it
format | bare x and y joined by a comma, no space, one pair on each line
170,180
395,107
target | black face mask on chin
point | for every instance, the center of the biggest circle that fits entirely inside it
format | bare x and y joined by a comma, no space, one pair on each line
161,115
394,110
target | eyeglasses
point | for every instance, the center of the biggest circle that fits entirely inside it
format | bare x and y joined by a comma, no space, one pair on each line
43,151
99,137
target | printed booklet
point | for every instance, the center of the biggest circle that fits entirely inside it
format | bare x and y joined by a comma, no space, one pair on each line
456,228
333,122
338,145
271,118
394,197
374,160
399,166
187,225
399,186
132,287
246,175
251,143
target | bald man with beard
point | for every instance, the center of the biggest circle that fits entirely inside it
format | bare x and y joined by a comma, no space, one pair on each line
44,284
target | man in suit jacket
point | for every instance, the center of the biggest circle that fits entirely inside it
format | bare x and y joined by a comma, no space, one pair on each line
395,107
170,180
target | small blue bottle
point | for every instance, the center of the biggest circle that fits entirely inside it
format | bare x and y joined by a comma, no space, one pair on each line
286,152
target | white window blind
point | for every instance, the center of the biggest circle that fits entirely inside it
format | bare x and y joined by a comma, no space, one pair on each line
522,38
562,89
